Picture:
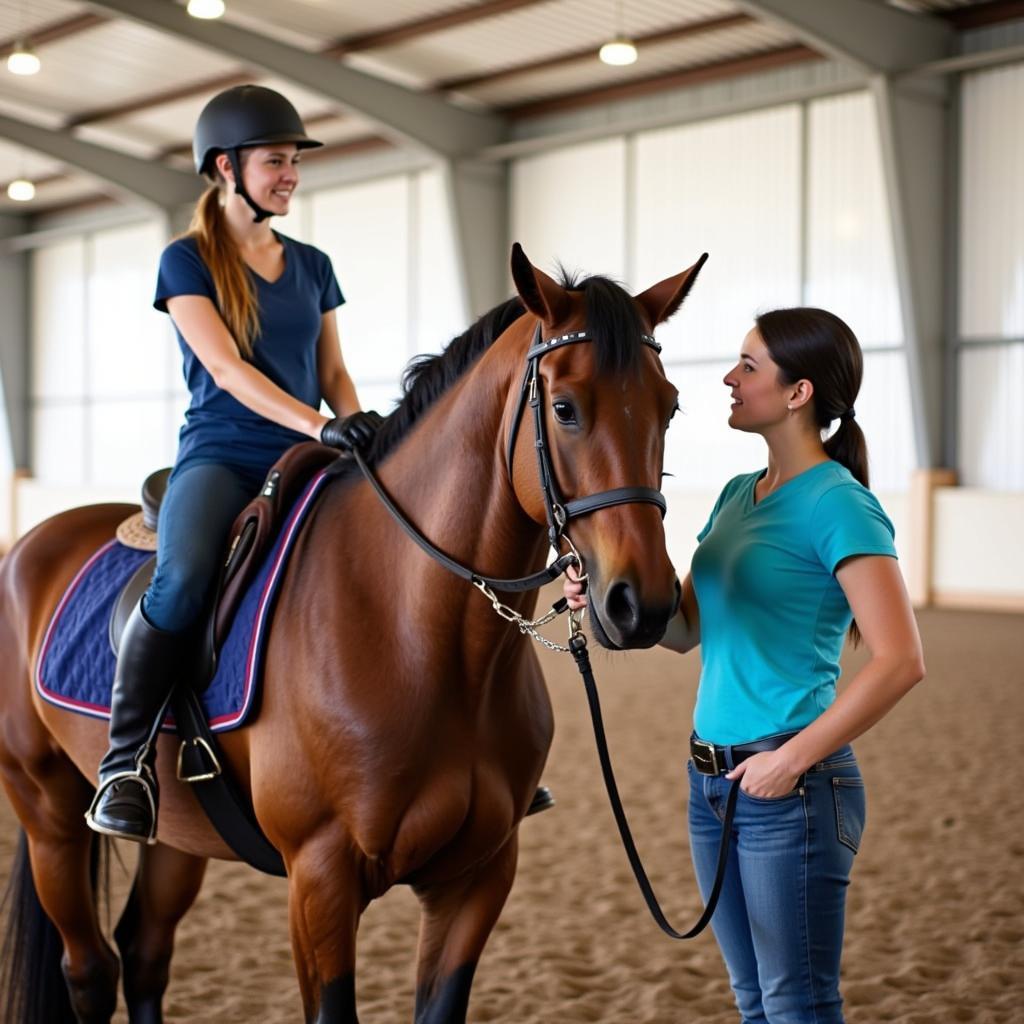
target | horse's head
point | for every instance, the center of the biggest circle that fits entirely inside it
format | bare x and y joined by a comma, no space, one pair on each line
605,405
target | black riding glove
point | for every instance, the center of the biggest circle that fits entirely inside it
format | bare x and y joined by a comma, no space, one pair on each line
348,432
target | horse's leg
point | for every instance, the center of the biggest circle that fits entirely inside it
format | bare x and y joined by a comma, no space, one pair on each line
50,796
166,884
325,902
457,919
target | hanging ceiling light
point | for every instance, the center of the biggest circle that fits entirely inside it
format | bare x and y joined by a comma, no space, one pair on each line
23,60
206,9
21,190
618,52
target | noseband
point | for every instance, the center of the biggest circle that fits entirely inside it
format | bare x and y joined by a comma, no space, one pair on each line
558,511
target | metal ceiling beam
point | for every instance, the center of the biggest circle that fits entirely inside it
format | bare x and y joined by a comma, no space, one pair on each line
665,35
983,14
53,31
872,35
208,86
765,60
403,32
423,120
153,182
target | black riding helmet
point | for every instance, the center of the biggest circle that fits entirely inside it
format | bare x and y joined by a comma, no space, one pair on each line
247,115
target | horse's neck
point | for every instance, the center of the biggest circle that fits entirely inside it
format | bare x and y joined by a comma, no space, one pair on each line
450,477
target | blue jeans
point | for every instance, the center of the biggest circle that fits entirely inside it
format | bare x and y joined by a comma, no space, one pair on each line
779,921
196,514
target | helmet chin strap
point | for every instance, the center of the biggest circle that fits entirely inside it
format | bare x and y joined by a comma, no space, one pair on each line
236,167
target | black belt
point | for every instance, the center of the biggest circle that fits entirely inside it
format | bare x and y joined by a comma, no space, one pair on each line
712,759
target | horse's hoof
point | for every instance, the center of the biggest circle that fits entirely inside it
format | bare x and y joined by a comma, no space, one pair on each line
541,801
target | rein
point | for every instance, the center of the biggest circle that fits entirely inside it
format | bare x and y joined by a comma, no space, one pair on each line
559,512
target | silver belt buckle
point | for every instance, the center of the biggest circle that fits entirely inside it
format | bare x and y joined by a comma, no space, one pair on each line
705,760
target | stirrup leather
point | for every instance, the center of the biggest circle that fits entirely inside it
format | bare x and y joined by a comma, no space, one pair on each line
144,777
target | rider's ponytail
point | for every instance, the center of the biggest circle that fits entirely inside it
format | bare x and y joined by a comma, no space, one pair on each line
236,296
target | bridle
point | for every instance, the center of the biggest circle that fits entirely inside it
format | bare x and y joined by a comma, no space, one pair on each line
559,513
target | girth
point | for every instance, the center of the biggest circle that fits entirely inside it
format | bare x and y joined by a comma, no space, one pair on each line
558,511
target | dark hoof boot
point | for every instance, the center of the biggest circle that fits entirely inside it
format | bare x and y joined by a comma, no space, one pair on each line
124,807
541,801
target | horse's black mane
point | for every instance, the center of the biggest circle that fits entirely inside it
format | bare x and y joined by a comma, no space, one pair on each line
612,322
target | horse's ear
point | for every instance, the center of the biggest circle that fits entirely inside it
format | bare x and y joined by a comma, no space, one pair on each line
661,300
542,296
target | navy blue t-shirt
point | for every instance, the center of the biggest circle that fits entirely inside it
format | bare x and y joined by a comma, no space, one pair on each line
218,428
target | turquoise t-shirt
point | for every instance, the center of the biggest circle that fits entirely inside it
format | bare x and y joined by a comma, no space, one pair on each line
772,614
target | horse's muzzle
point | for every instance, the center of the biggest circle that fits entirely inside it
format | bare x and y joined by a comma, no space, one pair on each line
622,619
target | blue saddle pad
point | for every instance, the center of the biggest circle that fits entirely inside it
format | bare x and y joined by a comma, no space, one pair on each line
75,668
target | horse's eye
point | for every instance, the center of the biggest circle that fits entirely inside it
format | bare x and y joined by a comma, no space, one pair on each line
564,412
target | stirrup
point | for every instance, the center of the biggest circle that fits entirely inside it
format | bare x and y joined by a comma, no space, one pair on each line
139,776
542,800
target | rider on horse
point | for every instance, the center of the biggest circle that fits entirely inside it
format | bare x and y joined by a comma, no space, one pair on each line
253,311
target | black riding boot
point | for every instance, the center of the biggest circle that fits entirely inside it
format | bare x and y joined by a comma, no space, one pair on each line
126,798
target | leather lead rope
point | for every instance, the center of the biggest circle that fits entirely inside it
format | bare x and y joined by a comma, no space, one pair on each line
578,649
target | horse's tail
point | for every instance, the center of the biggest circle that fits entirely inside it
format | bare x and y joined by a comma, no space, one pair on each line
32,985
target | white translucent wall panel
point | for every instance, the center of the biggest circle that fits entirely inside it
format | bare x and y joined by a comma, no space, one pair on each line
438,313
364,228
60,449
883,412
729,187
992,204
702,450
58,320
569,207
382,397
850,267
127,340
129,439
991,417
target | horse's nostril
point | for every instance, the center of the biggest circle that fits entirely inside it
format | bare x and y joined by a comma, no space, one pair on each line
622,607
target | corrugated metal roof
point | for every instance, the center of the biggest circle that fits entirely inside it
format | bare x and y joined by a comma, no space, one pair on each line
19,18
653,59
539,31
108,64
97,63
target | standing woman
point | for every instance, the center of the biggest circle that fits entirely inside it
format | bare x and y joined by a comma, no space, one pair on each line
254,314
792,557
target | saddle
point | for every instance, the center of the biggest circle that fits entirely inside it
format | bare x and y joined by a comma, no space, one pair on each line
252,536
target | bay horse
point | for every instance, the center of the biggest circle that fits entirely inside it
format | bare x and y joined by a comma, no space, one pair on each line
403,725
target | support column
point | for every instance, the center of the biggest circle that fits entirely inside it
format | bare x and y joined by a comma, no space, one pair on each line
479,202
912,124
14,369
14,344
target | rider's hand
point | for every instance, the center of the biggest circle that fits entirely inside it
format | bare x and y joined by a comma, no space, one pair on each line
348,432
575,591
